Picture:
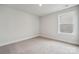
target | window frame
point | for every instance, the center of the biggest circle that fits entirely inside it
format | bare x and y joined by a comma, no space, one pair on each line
74,23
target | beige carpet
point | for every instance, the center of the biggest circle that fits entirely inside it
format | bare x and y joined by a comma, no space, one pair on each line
39,45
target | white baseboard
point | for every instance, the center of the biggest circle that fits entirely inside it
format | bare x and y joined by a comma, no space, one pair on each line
32,36
47,36
58,39
21,39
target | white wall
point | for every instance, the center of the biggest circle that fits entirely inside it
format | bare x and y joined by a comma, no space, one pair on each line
49,27
16,25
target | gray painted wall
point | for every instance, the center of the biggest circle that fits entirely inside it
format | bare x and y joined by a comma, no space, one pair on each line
49,26
16,25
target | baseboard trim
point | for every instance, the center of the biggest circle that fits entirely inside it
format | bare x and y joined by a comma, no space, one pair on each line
47,37
19,40
34,36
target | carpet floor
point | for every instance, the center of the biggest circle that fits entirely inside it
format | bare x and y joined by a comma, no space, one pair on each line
39,45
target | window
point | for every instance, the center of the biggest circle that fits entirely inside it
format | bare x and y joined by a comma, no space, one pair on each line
66,23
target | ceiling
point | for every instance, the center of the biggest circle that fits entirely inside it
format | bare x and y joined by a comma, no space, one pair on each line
40,10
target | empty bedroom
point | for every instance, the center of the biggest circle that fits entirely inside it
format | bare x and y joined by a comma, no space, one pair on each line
39,28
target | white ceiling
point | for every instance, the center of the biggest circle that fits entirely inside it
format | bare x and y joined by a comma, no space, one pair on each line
40,11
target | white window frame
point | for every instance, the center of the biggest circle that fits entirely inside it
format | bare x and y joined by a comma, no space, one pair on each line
74,23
